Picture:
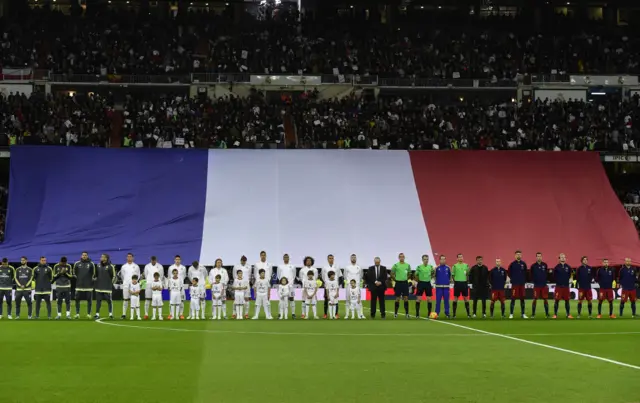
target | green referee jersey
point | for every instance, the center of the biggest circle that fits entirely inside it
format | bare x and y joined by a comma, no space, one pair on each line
401,271
460,271
424,272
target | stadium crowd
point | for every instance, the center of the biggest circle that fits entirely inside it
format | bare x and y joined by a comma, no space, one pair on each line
389,122
54,119
433,44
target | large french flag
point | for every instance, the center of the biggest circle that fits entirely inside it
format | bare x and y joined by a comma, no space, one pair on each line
209,204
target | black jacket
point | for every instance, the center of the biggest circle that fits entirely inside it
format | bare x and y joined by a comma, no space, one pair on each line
479,276
371,278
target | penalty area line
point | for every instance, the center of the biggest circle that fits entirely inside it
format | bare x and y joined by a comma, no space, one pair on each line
533,343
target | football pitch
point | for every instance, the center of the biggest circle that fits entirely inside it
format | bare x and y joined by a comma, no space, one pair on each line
462,360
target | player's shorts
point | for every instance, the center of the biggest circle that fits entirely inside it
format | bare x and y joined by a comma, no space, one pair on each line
175,298
126,294
84,295
517,292
135,301
497,295
606,294
333,301
401,288
424,288
584,293
562,293
630,295
156,300
311,301
460,289
148,292
541,292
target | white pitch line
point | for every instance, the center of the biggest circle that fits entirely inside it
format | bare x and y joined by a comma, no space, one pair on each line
564,350
173,329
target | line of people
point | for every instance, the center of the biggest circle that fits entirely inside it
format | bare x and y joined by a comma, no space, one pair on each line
421,281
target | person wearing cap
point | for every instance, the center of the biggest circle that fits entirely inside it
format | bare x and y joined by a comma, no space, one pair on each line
149,270
246,274
62,274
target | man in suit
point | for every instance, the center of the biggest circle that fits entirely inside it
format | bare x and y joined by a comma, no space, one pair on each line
377,285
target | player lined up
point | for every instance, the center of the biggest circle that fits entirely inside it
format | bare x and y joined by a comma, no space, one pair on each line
422,279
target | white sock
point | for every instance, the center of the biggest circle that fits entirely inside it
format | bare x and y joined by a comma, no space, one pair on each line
125,305
154,312
267,308
224,308
159,311
146,307
306,309
182,308
346,310
132,312
257,311
315,310
203,308
286,311
292,304
246,307
360,311
138,313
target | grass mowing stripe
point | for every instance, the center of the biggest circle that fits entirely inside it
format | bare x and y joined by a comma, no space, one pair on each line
564,350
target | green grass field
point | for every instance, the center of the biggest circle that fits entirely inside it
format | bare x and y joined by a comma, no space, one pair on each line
321,361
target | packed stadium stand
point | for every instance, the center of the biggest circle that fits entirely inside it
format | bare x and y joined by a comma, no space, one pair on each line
413,76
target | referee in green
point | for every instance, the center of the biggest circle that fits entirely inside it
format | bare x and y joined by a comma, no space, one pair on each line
424,274
460,274
400,274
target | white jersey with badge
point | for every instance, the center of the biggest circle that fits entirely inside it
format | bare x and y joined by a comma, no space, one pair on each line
156,294
262,286
246,271
150,270
303,274
200,273
195,293
353,272
217,289
354,294
325,272
135,298
127,271
240,294
266,266
222,272
310,287
332,288
284,291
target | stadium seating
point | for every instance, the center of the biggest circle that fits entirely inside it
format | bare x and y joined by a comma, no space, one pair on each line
433,44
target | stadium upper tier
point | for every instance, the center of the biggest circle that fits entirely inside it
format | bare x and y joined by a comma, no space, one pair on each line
437,45
303,121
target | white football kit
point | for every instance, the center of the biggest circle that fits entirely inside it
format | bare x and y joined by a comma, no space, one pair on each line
287,271
156,295
126,272
283,296
149,271
217,296
266,266
175,291
135,299
262,297
332,288
182,274
239,295
195,293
